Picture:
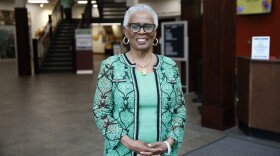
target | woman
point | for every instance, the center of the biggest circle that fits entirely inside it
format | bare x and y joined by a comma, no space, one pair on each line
67,7
139,106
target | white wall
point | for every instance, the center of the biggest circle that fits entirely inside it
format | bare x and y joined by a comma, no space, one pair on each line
165,8
78,10
39,16
98,30
98,45
7,5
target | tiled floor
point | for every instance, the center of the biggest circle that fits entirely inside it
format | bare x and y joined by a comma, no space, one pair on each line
50,115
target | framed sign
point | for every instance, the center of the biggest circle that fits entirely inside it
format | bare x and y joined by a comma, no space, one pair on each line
260,47
83,39
174,41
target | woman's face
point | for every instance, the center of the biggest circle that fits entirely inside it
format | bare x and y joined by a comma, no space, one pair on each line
141,40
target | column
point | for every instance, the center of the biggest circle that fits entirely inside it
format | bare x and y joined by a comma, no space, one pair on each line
22,37
218,61
191,12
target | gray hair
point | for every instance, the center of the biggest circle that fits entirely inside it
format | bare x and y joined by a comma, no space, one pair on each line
139,7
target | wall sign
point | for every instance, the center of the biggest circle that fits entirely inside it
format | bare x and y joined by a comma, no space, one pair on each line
260,47
174,41
83,39
174,44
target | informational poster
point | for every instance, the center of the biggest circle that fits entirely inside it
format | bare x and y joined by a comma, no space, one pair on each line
174,44
174,40
260,47
83,39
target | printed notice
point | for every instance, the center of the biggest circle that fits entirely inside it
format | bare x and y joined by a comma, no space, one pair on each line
174,43
260,47
83,39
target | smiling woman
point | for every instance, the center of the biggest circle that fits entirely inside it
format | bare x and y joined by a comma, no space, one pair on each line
139,106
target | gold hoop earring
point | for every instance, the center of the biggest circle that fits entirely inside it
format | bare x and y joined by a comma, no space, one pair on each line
155,44
125,42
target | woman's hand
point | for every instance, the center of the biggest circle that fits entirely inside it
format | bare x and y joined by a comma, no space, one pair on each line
160,145
139,147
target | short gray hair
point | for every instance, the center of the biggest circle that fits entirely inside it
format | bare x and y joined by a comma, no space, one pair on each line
139,7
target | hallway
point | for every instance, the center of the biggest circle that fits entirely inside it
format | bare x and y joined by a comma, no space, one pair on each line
50,115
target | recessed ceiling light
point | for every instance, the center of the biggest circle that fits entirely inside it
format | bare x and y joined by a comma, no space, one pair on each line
38,1
85,2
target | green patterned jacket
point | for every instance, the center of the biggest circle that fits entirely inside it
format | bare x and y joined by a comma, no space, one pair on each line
115,108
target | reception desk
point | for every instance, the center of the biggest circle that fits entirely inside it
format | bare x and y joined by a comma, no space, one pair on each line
258,96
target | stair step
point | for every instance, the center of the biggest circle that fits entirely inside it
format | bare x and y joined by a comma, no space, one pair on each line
65,31
52,59
62,51
113,13
68,27
61,46
61,42
114,9
112,17
55,63
114,5
62,38
65,34
55,69
59,56
63,55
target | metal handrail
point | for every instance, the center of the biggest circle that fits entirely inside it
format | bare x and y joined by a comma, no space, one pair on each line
86,16
46,36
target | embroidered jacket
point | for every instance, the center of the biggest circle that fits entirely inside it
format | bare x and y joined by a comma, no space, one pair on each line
116,103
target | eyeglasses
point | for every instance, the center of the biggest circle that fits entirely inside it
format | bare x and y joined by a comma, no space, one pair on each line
136,27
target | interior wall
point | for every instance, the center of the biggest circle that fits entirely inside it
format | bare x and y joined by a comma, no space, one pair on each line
7,6
97,43
99,37
258,25
39,16
78,10
165,8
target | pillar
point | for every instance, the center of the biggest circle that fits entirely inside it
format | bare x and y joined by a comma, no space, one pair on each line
218,64
191,12
22,37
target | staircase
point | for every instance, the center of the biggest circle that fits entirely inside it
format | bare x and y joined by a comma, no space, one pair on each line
113,9
59,56
110,11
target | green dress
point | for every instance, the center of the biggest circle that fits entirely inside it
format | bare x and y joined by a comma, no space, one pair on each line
117,103
147,107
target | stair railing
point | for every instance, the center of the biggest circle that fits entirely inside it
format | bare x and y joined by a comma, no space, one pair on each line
100,8
86,16
41,45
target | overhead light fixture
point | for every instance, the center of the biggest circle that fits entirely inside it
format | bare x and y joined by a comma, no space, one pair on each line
85,2
109,24
38,1
105,24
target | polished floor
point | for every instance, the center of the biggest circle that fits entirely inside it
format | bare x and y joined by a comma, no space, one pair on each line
50,115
